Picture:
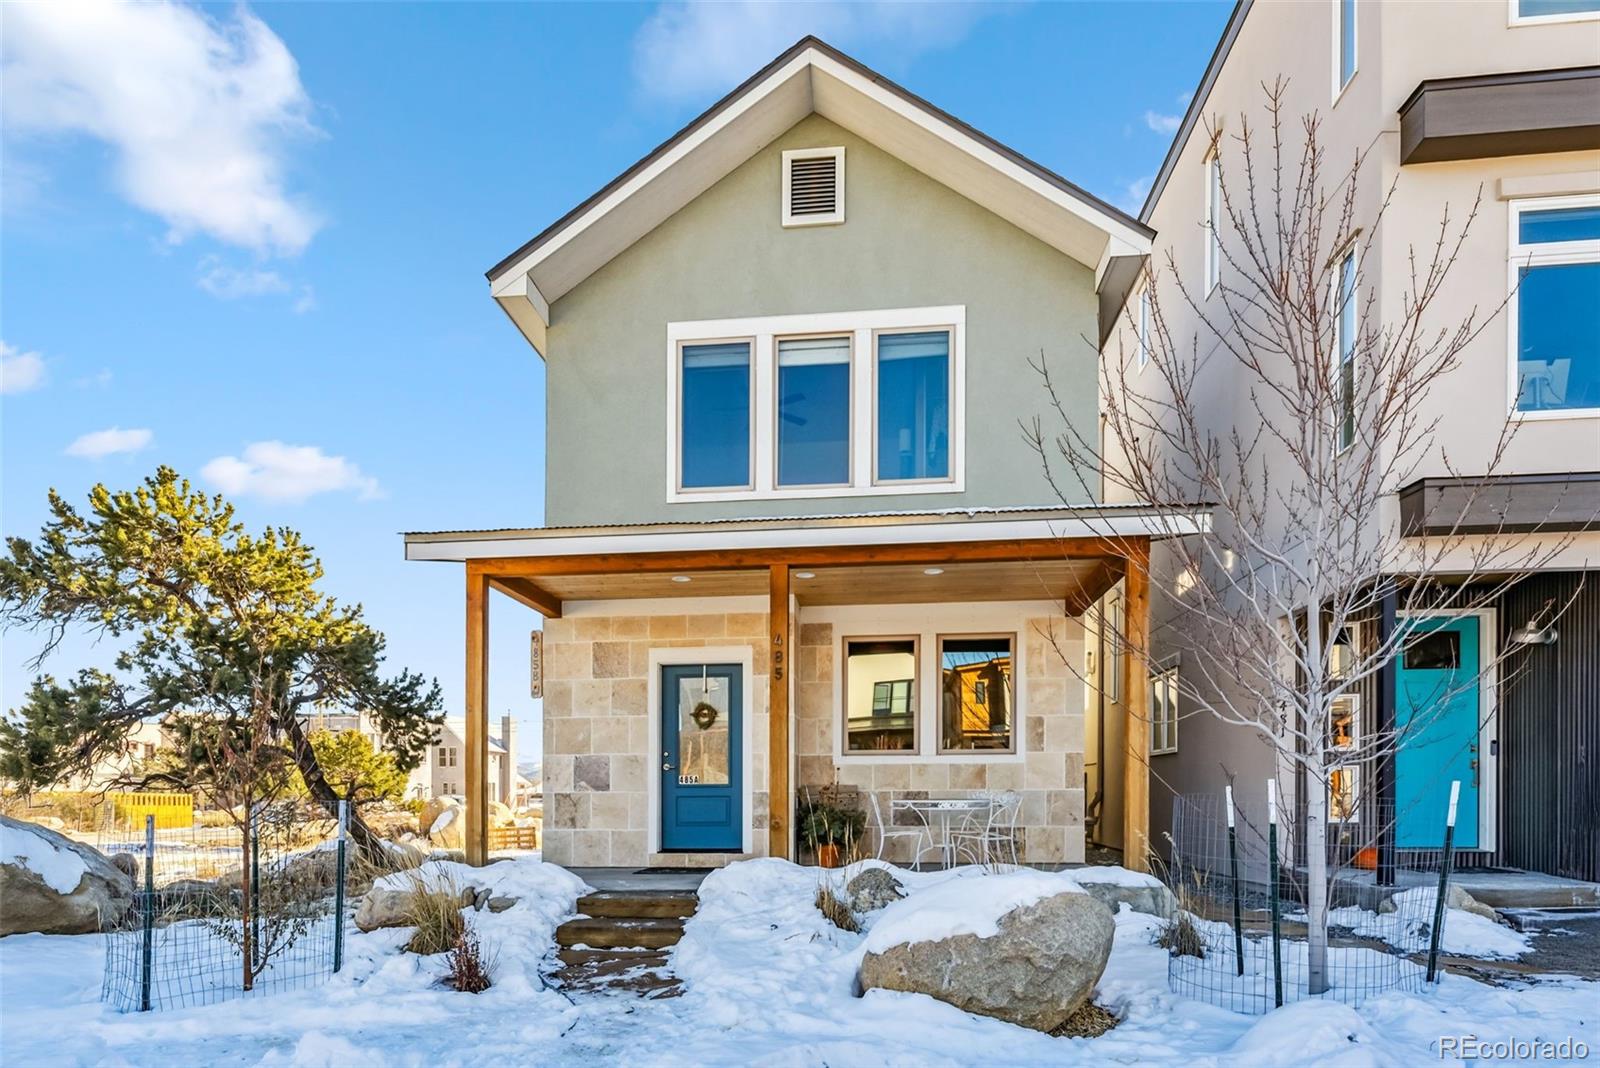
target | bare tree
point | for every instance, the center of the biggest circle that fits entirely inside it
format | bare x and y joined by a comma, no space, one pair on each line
1325,389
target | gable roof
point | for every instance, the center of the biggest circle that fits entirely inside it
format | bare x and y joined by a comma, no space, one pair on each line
810,77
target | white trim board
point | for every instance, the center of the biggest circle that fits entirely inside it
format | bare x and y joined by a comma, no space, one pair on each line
706,654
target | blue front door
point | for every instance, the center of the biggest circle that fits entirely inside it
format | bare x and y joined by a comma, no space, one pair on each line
702,724
1436,713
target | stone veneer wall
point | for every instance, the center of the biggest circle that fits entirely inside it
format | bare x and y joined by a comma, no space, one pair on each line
597,729
1049,777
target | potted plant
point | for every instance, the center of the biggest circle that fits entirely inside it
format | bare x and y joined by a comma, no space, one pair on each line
828,828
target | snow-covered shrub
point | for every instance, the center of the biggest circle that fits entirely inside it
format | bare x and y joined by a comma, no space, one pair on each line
470,968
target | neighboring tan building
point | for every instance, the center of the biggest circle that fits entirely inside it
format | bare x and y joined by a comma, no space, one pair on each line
789,507
443,770
1500,97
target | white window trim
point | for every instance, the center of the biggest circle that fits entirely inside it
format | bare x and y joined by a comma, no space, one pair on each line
1338,38
1212,247
1353,254
1156,680
1142,328
862,327
1513,18
832,218
1544,254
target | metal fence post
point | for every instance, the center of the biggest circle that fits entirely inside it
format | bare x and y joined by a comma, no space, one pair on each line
148,908
338,889
1272,864
1444,882
255,885
1233,865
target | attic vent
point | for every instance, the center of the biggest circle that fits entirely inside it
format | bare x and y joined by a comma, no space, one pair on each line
813,186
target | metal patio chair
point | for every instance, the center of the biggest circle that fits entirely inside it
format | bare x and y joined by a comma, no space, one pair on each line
920,836
991,838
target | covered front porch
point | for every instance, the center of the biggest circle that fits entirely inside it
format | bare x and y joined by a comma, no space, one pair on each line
798,618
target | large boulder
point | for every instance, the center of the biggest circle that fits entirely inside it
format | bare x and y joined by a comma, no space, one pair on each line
1152,897
384,908
53,885
444,821
1036,970
872,890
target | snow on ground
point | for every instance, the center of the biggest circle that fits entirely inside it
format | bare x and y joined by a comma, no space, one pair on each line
60,869
1466,934
768,982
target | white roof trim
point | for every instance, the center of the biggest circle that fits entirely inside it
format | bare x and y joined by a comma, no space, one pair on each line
1155,524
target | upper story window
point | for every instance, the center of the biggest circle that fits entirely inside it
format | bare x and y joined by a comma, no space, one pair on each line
715,441
1344,43
1555,307
1346,332
1535,11
828,405
1213,219
1144,327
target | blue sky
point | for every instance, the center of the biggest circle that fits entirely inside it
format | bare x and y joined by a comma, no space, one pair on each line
250,242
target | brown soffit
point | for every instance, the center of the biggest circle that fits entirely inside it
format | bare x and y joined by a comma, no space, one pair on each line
1039,170
1513,114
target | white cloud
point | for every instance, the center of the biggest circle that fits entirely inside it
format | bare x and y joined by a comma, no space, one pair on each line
274,471
1134,193
1162,124
110,442
99,380
199,112
19,371
231,283
686,51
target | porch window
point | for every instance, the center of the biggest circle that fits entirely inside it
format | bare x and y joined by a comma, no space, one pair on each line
714,416
1344,731
977,703
1555,315
880,686
913,406
814,411
1164,712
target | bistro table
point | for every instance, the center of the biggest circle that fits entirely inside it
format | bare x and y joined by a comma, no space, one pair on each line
944,811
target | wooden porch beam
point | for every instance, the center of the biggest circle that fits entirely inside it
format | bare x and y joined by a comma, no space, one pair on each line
1035,549
778,836
477,711
528,595
1136,709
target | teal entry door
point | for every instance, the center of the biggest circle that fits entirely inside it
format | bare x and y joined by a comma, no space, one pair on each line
1436,713
702,725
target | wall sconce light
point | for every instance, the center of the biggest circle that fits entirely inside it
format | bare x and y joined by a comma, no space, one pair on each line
1532,634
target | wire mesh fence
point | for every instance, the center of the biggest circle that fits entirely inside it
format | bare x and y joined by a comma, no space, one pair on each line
225,912
1242,936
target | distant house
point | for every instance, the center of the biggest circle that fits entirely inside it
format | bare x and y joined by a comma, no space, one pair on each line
443,770
143,743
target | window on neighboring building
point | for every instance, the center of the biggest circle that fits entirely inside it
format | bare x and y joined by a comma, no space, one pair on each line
1345,14
714,416
1213,221
880,694
913,405
1144,327
1555,312
814,411
1554,10
977,710
447,757
1164,712
1346,336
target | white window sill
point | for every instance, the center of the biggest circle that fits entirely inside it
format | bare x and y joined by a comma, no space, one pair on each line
1554,414
800,493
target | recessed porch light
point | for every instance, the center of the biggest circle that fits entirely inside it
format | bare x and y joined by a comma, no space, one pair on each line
933,571
680,578
805,574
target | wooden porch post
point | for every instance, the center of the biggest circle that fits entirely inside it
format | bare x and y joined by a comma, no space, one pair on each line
778,836
476,838
1136,708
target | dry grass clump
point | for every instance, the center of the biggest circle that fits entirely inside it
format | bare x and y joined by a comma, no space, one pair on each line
1087,1021
831,905
468,967
436,914
1181,938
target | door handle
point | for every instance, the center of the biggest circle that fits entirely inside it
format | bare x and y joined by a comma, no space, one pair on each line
666,767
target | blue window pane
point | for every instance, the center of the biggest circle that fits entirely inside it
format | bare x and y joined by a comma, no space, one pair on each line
814,411
1347,350
1529,9
1559,224
914,405
715,420
1347,40
1558,337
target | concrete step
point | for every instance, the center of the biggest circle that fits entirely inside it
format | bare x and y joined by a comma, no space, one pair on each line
639,972
639,904
610,932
